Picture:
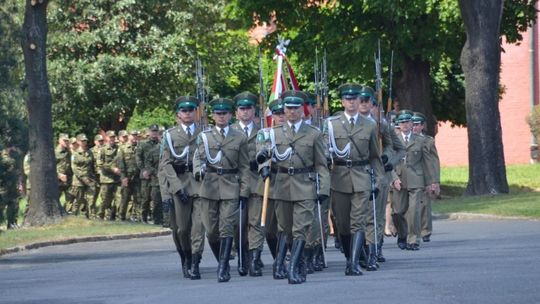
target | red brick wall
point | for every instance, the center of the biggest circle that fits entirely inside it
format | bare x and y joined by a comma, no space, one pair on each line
514,107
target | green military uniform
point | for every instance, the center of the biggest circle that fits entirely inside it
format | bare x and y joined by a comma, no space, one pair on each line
415,172
426,226
8,187
392,151
223,153
299,152
151,164
313,251
129,176
84,180
142,153
253,234
95,150
180,190
355,151
63,166
109,178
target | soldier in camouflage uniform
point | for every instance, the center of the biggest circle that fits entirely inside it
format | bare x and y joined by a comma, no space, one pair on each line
129,177
148,162
99,141
8,186
84,178
150,140
63,169
109,177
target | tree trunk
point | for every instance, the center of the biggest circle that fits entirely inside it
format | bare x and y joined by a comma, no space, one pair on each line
481,59
414,90
44,205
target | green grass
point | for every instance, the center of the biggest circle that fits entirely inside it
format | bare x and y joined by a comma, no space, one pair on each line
71,226
523,199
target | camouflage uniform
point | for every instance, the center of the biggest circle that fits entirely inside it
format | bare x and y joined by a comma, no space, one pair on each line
109,179
84,180
142,153
130,171
63,166
8,187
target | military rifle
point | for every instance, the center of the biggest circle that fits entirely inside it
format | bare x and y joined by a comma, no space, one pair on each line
201,94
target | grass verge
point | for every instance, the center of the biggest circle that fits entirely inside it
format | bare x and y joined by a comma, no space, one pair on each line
522,201
69,227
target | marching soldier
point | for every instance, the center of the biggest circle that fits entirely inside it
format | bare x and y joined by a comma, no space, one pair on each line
63,169
109,178
432,191
355,152
252,233
392,151
129,178
143,151
416,172
299,152
84,178
223,153
178,182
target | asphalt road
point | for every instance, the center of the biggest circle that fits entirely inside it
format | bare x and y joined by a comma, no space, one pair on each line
496,261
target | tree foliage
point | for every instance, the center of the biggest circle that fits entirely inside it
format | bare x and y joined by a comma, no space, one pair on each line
418,30
109,57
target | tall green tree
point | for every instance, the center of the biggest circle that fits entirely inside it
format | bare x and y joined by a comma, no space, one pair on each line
109,57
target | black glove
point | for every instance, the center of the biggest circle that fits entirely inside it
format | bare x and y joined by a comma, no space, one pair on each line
253,165
265,172
183,195
167,205
375,193
262,156
199,176
328,161
322,197
388,167
384,158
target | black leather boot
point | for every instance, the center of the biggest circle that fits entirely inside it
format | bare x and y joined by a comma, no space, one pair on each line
215,249
345,240
318,262
364,256
295,275
186,266
372,258
308,258
243,261
272,245
380,257
254,269
223,274
357,242
195,260
279,270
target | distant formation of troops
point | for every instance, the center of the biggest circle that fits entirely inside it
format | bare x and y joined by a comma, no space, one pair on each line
371,177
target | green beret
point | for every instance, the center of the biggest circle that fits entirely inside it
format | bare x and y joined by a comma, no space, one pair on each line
221,104
418,118
111,133
312,98
245,99
349,89
276,106
186,102
98,137
122,133
294,98
82,137
404,116
63,136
